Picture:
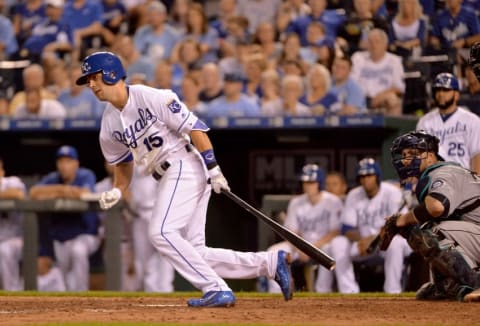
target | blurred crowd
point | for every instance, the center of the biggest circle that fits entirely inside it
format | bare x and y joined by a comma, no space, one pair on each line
240,58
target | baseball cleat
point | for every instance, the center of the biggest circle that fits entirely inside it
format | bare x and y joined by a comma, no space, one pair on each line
283,276
473,296
214,299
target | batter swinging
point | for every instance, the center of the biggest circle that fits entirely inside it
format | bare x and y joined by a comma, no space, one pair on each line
152,128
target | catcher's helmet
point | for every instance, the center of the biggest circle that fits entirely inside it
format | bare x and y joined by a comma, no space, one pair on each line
368,166
418,140
446,80
474,59
105,62
313,173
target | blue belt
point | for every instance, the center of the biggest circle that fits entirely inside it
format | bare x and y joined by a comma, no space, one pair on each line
165,165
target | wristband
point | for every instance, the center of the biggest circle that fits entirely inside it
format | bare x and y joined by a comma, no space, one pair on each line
209,159
421,214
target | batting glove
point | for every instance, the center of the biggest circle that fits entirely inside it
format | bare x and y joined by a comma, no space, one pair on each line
109,198
217,180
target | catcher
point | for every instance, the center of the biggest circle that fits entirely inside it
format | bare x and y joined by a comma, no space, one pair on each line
445,227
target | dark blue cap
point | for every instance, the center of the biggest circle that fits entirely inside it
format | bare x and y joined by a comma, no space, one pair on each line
67,151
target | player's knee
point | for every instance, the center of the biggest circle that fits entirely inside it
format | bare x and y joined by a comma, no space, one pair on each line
340,246
159,240
79,250
5,250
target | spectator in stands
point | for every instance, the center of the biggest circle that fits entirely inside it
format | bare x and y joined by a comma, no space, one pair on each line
79,101
348,91
164,76
408,29
198,29
237,28
291,90
258,11
26,14
212,83
329,18
226,10
336,184
114,20
364,212
33,77
289,11
190,95
85,20
270,90
156,39
255,65
455,27
318,43
186,55
235,63
470,95
291,53
133,61
51,37
11,241
233,103
354,33
69,237
291,67
8,40
37,108
318,96
58,78
265,37
315,216
178,15
380,74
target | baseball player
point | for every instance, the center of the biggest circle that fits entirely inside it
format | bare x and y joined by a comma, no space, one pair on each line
154,129
457,128
11,241
315,216
445,227
365,209
70,238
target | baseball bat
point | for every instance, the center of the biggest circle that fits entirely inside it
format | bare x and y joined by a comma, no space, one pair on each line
313,252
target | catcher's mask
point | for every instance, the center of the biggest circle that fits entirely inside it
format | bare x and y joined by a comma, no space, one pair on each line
419,141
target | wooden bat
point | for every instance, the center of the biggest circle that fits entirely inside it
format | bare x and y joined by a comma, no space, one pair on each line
313,252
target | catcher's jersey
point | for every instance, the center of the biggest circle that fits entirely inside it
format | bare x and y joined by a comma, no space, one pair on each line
10,222
368,214
459,134
153,123
314,221
460,186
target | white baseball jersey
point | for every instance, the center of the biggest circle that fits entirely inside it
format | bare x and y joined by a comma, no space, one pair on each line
314,221
149,125
375,77
368,214
459,134
11,222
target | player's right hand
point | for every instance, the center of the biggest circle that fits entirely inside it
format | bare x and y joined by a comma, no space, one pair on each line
109,198
217,180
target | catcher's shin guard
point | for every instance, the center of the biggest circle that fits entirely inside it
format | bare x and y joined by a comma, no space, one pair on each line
446,261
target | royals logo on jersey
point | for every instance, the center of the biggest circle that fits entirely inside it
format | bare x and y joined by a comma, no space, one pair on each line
174,106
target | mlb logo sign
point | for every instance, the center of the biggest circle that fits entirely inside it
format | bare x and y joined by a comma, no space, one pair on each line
174,106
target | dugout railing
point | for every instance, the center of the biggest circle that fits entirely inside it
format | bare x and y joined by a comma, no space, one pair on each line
31,209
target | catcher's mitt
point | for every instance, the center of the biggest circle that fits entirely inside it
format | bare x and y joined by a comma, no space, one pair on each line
388,231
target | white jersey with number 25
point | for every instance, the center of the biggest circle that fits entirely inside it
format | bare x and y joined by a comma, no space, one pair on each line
459,134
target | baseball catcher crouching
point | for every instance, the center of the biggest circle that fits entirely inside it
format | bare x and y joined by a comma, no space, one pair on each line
445,227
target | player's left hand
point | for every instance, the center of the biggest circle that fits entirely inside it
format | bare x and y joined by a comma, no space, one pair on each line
109,198
218,180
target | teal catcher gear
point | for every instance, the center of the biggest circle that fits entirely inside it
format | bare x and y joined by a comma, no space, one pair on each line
107,63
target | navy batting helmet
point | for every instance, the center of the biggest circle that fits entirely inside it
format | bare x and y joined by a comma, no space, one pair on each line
107,63
368,166
446,80
417,140
313,173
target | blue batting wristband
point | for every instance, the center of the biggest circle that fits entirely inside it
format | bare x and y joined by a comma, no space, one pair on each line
209,158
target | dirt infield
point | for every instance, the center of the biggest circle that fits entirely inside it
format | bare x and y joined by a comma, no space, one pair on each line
19,310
